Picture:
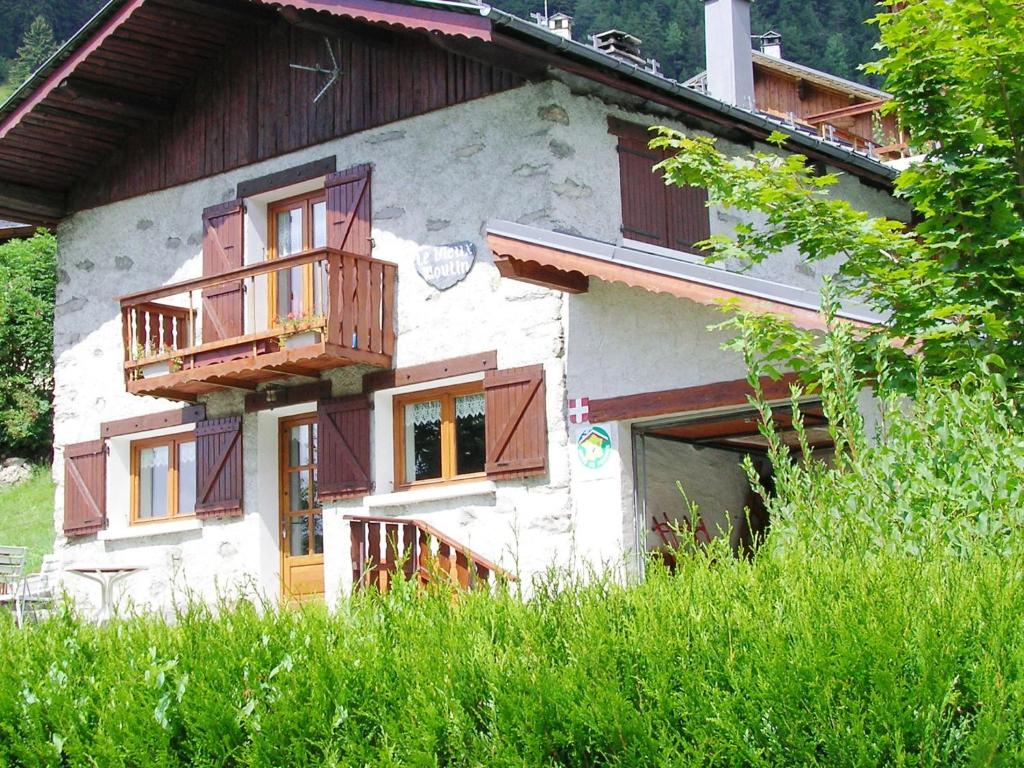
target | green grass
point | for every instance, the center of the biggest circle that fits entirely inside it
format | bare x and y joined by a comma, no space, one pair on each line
26,516
6,89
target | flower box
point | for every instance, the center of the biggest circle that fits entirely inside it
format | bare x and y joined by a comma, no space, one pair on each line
160,368
301,339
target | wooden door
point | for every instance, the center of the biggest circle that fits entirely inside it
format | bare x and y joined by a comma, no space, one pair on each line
301,520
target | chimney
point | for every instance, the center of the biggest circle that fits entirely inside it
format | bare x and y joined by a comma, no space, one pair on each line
561,25
730,62
620,45
771,44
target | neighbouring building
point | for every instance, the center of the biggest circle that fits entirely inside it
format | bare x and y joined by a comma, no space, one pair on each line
835,109
346,280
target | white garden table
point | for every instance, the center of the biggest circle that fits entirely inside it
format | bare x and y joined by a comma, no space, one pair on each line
106,576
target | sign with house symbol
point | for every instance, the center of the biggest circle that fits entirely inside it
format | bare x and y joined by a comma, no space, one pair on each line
444,266
594,447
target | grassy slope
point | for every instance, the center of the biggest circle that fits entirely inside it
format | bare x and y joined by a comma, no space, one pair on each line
26,516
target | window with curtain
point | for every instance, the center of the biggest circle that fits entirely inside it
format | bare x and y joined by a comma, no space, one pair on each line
439,435
163,478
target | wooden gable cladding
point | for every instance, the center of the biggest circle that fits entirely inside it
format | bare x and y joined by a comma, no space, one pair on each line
516,431
85,488
652,211
219,478
249,105
343,448
223,251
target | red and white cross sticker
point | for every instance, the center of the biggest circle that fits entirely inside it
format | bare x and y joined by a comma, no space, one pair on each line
579,410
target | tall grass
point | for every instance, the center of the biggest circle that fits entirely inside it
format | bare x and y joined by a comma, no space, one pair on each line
784,661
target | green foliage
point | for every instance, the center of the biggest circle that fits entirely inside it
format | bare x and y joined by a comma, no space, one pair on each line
955,69
26,516
36,47
943,470
28,283
958,323
783,661
64,16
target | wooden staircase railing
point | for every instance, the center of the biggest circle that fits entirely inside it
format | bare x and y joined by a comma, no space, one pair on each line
387,548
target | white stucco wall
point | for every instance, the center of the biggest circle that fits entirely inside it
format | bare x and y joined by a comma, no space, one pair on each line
538,155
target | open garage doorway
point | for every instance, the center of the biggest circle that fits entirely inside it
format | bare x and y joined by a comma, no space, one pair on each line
703,452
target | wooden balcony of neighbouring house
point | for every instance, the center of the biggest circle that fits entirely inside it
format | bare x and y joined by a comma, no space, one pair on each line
295,316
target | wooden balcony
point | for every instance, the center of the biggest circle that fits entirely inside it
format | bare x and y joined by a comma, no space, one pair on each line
295,316
385,549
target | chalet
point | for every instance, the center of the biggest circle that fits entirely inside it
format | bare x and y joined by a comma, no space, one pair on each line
837,110
348,287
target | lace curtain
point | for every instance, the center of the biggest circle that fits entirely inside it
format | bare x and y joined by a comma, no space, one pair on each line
469,405
418,414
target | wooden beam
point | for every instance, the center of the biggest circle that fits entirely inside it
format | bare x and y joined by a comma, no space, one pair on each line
721,394
540,274
260,401
174,418
287,177
290,369
32,203
117,100
442,369
230,383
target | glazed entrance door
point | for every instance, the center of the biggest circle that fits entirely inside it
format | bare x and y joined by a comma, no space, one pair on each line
301,521
296,225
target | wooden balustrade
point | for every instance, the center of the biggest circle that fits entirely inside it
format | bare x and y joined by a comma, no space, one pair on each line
385,548
153,328
230,319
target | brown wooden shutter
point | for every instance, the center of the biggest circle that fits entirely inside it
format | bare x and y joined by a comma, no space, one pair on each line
223,228
343,448
517,433
219,467
85,488
643,196
652,211
349,212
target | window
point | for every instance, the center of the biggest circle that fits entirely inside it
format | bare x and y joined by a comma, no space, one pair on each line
163,478
652,211
439,435
297,224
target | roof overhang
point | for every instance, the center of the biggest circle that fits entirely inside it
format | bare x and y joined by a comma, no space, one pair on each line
128,66
567,263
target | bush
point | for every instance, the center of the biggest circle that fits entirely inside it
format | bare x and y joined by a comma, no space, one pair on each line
783,661
28,280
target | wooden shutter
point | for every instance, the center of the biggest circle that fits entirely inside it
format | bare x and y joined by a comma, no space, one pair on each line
343,448
85,488
349,216
223,227
219,467
517,433
652,211
643,197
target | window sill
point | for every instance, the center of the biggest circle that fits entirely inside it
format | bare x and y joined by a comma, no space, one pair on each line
436,493
150,529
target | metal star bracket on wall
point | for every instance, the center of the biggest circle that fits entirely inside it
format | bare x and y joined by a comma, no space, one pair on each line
333,75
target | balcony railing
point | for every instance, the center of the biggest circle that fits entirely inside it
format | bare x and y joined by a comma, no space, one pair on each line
298,315
385,549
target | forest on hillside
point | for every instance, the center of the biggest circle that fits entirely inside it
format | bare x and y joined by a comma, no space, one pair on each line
826,34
